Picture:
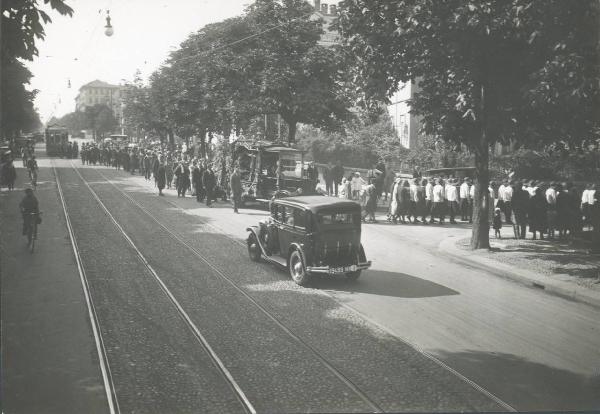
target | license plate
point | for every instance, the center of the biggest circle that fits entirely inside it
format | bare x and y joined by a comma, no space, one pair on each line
337,270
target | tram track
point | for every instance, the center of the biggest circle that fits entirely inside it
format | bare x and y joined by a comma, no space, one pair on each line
295,337
113,402
288,331
216,360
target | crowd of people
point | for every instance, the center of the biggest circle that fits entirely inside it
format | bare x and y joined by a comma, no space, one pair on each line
548,209
177,169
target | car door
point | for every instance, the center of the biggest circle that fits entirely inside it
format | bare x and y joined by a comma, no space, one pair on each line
292,227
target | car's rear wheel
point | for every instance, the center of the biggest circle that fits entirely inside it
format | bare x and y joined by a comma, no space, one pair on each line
297,268
253,248
352,276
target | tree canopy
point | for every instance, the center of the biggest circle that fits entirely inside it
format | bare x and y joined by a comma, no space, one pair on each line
265,62
22,23
486,71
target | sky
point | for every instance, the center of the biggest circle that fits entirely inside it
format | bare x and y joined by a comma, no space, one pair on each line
76,50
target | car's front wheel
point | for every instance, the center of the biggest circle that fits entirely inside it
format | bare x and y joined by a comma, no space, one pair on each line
253,248
297,268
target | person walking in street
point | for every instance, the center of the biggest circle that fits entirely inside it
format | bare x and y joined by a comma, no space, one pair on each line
552,215
388,182
337,174
160,175
370,202
208,182
197,181
235,184
182,174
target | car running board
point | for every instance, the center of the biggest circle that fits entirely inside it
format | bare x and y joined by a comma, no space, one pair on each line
280,261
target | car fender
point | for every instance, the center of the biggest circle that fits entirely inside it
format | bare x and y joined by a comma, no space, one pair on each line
362,257
254,230
296,246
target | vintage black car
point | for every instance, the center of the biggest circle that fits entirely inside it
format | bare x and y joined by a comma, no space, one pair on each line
311,235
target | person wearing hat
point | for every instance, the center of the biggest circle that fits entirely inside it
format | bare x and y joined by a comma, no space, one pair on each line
182,172
209,182
160,174
28,205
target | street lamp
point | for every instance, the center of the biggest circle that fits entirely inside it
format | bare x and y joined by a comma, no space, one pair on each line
108,29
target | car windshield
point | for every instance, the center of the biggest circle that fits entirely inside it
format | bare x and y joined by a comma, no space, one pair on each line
327,219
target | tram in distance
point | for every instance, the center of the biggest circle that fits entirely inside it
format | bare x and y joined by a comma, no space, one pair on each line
56,136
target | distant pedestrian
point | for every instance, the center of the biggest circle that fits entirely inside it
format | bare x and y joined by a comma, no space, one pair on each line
337,174
328,177
160,175
497,223
208,182
235,183
538,214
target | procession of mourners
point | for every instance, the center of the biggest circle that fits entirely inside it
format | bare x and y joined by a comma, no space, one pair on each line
544,209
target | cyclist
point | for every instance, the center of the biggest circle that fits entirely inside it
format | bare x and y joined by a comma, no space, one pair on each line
32,167
28,205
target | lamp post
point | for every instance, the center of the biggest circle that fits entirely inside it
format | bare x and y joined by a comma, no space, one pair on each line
108,29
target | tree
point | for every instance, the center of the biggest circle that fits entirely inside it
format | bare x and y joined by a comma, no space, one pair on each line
488,71
21,24
100,119
294,76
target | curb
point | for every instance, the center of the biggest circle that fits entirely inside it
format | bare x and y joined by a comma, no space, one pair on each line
527,278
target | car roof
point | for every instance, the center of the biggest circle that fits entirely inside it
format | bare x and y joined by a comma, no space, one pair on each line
316,203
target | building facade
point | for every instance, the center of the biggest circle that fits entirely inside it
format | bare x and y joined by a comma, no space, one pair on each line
101,93
405,124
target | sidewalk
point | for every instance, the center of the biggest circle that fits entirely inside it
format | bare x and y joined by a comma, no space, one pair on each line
561,268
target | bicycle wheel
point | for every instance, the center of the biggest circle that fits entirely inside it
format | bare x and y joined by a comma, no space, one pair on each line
32,235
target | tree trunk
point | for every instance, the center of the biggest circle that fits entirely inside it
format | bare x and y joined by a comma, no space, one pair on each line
202,136
480,236
291,131
171,139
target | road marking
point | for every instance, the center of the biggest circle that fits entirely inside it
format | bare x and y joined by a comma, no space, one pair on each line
101,350
325,363
239,392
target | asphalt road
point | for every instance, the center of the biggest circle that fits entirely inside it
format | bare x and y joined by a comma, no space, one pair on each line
170,282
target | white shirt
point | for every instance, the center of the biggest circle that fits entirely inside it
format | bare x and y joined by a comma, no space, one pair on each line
505,193
464,190
588,197
551,196
414,192
429,192
451,193
357,183
438,193
531,191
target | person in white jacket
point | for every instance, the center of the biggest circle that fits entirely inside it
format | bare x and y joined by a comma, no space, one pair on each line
357,185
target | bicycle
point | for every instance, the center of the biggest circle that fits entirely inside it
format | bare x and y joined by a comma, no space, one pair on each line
33,178
31,230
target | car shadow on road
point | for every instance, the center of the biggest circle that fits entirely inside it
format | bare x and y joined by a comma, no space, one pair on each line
527,385
384,283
